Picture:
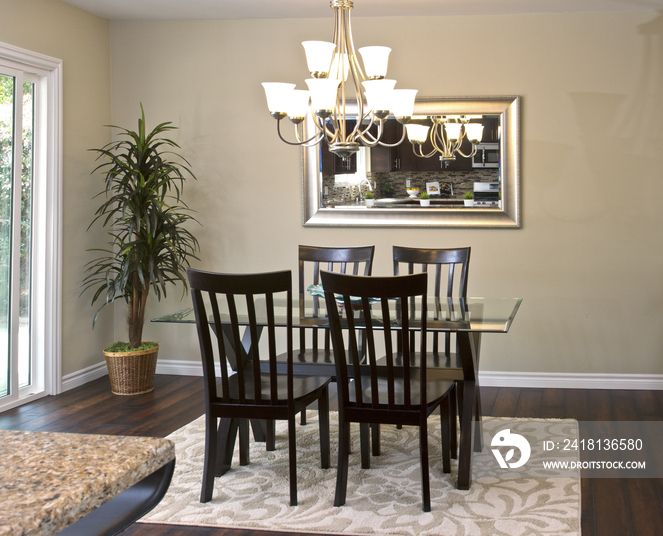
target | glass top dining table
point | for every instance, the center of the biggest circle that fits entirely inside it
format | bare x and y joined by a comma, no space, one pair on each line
468,318
479,315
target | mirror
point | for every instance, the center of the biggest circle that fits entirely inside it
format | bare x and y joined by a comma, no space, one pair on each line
334,197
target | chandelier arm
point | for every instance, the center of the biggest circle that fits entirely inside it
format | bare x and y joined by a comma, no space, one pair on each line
368,140
298,142
368,143
357,76
434,136
313,140
420,153
459,143
398,142
472,153
356,73
321,124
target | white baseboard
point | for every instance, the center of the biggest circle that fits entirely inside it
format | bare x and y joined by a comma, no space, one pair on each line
558,380
81,377
180,368
176,368
552,380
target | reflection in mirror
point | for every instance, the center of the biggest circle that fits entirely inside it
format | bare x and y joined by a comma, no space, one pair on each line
335,189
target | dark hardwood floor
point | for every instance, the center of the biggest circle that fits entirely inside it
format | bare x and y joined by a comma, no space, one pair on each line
609,506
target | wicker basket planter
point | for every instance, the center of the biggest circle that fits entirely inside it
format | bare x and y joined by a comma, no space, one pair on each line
132,373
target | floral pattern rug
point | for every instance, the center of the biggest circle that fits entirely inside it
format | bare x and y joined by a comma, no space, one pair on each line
382,500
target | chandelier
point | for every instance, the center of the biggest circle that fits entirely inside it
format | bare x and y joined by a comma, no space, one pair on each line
446,135
336,79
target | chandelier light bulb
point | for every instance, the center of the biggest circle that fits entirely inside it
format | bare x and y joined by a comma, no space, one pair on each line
298,105
375,61
323,94
402,103
417,133
379,95
453,130
474,132
278,97
319,57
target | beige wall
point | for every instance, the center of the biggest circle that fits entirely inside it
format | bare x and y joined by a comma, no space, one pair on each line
589,257
82,42
587,260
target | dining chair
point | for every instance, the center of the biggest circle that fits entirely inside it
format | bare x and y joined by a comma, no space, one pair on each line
387,394
453,264
357,260
251,300
450,278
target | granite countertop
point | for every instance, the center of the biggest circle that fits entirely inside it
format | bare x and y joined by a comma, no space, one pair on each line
50,480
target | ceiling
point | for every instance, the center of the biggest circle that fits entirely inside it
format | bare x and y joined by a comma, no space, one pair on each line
304,9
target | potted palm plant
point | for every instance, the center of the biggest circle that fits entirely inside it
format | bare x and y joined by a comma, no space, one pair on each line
149,245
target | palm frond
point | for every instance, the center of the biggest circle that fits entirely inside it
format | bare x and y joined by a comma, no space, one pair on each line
149,246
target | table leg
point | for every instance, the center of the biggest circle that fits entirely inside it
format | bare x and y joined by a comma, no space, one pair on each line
225,443
478,434
242,355
469,424
467,430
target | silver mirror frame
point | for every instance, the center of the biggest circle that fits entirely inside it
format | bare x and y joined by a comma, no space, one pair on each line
507,217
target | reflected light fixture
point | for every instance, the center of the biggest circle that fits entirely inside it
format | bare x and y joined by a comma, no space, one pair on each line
446,135
336,77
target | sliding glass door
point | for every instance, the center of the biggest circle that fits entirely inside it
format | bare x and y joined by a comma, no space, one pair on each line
30,225
17,136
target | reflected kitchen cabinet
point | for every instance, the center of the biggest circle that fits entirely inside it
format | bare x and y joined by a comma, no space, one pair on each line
398,158
491,129
385,159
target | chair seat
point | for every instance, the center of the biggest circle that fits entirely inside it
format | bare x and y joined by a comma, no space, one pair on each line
302,387
449,367
309,355
435,391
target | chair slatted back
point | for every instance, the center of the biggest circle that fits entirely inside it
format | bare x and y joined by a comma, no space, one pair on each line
229,292
357,260
347,366
452,263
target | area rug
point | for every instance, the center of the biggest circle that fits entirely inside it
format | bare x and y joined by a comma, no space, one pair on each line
382,500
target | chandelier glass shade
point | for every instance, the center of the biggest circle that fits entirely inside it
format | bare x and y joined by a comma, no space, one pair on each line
336,79
447,134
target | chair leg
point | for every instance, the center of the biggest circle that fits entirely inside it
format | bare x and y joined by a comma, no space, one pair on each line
292,453
303,417
375,438
365,446
323,422
423,453
209,465
445,423
270,436
342,466
454,411
243,442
